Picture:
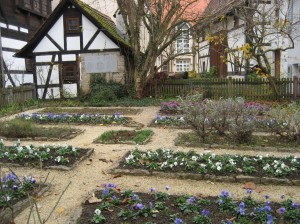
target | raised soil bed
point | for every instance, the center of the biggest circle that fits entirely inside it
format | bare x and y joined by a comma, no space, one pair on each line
120,167
131,137
19,206
50,164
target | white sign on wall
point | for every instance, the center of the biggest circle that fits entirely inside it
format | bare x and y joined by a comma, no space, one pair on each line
101,63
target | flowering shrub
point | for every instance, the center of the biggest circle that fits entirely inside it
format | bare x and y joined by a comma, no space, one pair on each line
285,121
75,118
262,108
170,106
58,153
13,189
167,160
127,206
199,116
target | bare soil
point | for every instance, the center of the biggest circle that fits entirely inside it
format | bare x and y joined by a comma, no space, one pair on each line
92,173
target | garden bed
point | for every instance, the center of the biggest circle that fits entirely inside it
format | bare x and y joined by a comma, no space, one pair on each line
257,143
16,195
115,206
125,137
208,166
61,157
90,110
79,119
22,129
177,122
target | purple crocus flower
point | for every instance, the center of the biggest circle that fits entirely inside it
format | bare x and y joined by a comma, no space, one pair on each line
205,212
225,193
140,206
15,187
267,196
134,197
269,219
105,192
249,191
191,200
167,188
242,208
152,189
281,210
268,208
178,221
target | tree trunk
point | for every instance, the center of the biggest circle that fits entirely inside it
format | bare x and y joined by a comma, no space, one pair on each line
139,88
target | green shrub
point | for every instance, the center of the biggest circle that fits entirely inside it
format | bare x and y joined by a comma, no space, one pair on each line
212,73
103,91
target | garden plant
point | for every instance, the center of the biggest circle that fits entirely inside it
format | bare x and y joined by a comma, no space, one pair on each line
127,206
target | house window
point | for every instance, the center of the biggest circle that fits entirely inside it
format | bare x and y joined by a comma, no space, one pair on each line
165,68
69,72
72,25
182,65
183,40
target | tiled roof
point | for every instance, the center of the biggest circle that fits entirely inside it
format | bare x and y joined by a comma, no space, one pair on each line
103,20
219,7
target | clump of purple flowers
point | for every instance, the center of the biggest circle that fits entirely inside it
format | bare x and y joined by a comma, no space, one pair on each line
170,105
13,188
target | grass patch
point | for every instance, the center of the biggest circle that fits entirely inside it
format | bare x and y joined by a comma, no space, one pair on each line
192,140
125,136
23,129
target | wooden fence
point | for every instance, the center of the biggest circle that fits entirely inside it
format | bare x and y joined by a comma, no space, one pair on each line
220,87
17,94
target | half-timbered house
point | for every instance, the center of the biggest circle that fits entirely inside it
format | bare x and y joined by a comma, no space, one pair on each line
75,42
19,19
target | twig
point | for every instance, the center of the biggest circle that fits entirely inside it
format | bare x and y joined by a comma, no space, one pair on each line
57,202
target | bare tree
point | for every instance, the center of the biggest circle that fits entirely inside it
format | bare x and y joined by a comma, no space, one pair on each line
267,28
161,21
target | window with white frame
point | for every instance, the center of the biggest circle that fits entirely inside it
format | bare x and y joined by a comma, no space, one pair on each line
183,40
182,65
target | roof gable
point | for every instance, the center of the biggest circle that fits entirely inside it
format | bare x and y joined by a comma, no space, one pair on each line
98,19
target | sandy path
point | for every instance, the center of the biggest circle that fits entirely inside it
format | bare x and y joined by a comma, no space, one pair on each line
90,174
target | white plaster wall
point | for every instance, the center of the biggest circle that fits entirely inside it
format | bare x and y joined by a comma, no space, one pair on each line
42,72
45,58
102,42
45,46
204,56
70,90
52,93
13,63
73,43
68,57
57,32
12,43
20,79
88,29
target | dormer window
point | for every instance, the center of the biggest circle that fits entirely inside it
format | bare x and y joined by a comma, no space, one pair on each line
72,25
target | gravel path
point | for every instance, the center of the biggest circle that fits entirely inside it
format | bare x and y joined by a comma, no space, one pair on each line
93,173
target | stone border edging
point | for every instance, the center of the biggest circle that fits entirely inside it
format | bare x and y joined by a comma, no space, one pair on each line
58,167
6,214
227,179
